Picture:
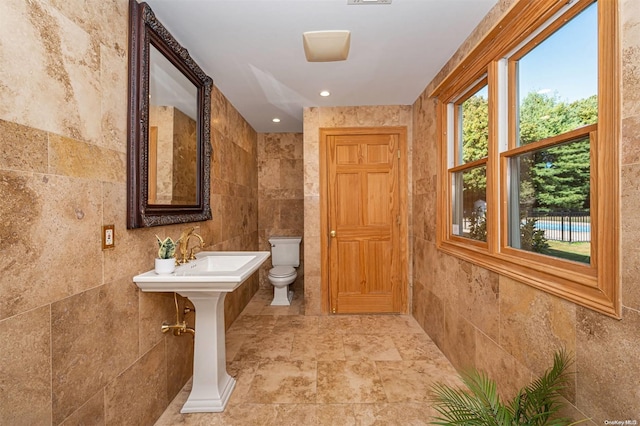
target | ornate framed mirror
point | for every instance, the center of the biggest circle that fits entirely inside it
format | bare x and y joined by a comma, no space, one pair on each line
169,147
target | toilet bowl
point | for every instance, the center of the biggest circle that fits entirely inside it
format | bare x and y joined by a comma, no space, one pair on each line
285,257
280,277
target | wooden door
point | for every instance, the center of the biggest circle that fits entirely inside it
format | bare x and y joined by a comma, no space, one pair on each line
364,217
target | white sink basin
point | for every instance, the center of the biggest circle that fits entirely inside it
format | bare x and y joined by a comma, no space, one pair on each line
211,271
206,281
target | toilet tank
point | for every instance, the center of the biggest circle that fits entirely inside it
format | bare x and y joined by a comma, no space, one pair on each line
285,251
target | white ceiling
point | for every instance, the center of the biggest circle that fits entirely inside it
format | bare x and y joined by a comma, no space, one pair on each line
253,51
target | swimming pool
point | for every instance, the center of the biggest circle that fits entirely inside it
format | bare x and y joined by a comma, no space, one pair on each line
567,226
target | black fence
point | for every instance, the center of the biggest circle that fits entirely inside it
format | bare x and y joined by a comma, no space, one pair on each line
569,226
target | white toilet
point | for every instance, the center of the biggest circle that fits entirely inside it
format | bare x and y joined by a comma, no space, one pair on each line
285,256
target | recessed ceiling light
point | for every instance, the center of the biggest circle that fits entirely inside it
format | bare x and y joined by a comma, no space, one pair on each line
276,120
325,93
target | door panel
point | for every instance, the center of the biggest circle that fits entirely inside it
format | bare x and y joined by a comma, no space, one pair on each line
379,256
348,193
363,208
346,154
379,205
348,261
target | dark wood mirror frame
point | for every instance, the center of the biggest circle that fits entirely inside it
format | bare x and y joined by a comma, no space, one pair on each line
144,30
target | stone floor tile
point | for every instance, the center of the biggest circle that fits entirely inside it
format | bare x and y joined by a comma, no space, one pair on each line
337,370
349,382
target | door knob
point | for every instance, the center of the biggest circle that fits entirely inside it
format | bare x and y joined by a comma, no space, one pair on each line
332,233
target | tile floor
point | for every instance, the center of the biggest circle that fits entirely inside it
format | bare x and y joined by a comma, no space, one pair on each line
293,369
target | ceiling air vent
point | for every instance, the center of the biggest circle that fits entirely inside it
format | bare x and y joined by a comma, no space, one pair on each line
359,2
326,46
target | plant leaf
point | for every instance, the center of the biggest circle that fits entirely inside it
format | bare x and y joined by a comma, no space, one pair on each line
166,248
477,406
480,403
540,400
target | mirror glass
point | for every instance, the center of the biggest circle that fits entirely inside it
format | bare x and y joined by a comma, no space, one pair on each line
169,148
173,111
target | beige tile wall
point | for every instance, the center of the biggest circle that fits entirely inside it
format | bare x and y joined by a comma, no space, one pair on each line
280,195
331,117
479,318
78,341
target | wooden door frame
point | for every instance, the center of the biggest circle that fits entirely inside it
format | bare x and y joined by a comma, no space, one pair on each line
401,131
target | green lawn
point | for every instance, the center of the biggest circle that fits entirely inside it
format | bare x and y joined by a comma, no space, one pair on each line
578,252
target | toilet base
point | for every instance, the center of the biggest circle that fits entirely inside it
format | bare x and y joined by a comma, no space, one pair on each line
282,296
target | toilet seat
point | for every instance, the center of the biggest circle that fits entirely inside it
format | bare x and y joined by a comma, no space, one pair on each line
281,271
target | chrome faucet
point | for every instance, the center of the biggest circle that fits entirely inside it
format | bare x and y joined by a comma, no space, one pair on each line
184,245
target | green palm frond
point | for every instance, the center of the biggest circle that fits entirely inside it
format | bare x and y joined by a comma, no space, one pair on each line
479,404
541,399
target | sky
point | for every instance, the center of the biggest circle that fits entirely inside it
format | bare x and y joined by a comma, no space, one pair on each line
565,64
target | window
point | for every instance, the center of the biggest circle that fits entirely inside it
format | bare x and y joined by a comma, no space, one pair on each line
469,176
528,128
549,198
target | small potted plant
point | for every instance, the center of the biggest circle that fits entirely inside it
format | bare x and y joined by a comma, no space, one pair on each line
165,262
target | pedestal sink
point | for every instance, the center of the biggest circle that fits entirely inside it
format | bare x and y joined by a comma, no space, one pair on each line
206,281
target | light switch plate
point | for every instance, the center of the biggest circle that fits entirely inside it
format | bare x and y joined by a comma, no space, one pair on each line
108,237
